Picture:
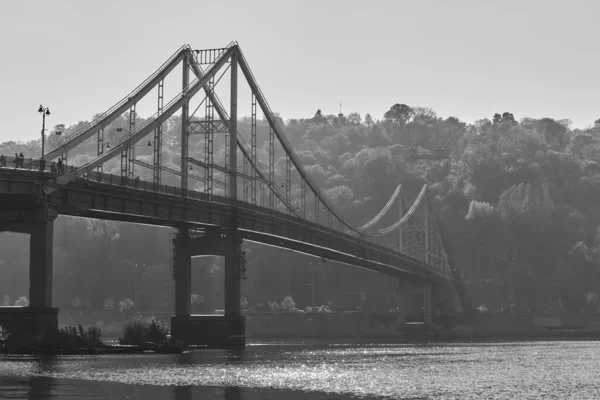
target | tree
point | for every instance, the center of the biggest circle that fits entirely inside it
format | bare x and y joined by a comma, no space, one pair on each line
506,116
399,114
479,209
354,118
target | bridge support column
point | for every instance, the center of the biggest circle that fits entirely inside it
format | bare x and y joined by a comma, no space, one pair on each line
427,304
41,241
183,274
38,221
401,305
234,319
220,331
233,287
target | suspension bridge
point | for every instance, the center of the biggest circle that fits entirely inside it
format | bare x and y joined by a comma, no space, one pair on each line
237,196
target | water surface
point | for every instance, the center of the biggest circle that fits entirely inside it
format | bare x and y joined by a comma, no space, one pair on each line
516,370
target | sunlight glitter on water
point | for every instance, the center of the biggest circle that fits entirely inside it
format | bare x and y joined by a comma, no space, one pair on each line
496,370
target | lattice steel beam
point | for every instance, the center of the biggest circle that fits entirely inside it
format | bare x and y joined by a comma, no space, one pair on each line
204,127
208,56
157,151
100,147
244,181
185,119
209,140
131,149
271,166
288,180
302,198
233,127
253,149
426,226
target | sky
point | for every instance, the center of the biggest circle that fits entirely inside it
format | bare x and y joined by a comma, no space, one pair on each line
463,58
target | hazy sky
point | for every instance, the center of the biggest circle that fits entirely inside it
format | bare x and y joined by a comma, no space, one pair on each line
469,58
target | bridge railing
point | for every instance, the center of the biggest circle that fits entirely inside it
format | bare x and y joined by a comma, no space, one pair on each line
33,164
337,235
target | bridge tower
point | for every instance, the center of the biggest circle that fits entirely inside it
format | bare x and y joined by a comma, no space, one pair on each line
227,330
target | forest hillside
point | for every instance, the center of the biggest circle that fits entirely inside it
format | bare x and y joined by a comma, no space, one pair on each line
518,199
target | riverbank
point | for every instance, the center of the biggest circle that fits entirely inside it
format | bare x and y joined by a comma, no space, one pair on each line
374,326
96,350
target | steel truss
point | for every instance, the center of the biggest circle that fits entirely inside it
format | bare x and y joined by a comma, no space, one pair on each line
409,230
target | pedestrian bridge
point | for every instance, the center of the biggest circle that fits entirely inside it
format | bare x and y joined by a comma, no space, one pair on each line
236,199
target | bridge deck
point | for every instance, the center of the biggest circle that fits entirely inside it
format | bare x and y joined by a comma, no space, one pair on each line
107,196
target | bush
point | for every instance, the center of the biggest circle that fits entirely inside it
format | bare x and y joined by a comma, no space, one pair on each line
72,337
69,338
125,305
287,303
140,330
22,302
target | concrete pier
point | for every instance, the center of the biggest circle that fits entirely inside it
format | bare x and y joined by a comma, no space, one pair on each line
208,330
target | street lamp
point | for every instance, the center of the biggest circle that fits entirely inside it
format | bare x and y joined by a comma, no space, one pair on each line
44,111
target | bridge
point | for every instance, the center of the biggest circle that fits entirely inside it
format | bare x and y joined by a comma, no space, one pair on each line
236,197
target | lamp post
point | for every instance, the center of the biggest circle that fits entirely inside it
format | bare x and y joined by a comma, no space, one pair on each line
44,111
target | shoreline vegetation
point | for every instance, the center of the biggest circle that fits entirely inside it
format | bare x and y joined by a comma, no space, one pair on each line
139,335
148,335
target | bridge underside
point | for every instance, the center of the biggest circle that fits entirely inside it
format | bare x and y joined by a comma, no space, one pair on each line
86,198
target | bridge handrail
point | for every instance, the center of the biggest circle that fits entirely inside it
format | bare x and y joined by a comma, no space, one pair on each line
408,214
86,128
382,212
143,129
33,164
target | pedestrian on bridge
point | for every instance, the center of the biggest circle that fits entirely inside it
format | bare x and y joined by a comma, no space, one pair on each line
60,166
16,161
2,160
22,160
137,181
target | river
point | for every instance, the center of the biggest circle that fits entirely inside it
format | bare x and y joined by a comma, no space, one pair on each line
297,370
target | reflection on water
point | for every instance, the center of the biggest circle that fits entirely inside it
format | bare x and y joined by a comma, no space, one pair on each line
558,370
